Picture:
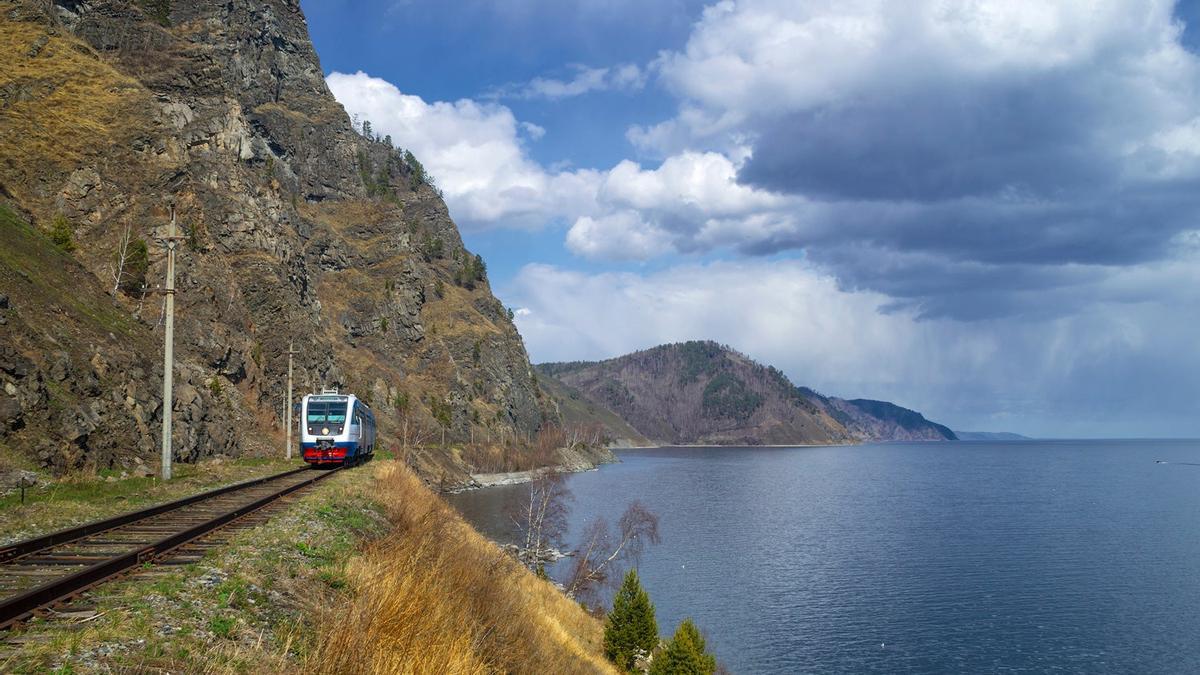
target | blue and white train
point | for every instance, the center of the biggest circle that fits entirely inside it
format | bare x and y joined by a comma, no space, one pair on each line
336,429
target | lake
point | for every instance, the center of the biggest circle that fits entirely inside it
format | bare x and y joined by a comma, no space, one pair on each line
1075,556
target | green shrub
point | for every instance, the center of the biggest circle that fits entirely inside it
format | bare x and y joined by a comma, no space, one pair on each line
221,626
62,234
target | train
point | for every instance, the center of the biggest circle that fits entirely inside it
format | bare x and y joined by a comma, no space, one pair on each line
336,429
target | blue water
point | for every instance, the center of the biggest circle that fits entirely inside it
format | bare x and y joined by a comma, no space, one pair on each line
1069,556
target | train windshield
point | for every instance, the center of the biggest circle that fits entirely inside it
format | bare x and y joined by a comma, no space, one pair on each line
326,414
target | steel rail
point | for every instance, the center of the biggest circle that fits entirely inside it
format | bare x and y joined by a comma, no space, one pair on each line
18,607
23,548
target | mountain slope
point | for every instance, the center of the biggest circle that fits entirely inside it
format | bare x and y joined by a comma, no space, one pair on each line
297,228
704,393
700,392
578,411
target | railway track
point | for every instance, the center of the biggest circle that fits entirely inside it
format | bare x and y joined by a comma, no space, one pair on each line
47,570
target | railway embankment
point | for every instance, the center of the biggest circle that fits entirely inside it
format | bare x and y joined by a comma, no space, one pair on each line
366,571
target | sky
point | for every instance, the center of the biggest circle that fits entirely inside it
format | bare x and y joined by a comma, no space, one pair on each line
985,210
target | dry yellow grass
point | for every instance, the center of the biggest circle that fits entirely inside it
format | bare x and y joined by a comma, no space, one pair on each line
434,596
73,103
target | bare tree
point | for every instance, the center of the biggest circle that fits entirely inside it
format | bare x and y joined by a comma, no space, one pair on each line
598,561
541,518
421,433
122,258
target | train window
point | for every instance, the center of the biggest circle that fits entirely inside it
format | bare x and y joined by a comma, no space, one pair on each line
317,413
326,415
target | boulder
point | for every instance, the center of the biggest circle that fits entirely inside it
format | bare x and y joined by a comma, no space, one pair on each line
13,363
60,366
10,414
19,478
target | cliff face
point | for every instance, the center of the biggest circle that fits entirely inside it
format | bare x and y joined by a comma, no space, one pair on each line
297,228
703,393
873,420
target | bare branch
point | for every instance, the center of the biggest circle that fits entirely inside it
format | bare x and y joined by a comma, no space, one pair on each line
593,569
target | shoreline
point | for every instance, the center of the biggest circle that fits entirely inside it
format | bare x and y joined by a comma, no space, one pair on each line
574,461
701,446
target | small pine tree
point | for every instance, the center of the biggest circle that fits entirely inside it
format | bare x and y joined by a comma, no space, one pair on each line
61,234
685,654
630,628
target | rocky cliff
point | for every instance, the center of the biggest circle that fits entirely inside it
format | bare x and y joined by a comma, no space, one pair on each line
705,393
297,228
881,420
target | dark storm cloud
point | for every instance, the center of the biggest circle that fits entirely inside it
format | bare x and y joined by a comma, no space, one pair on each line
937,143
999,186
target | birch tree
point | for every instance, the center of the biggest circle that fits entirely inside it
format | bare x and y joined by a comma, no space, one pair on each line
602,554
541,518
122,257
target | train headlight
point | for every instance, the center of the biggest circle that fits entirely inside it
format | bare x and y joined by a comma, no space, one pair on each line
325,431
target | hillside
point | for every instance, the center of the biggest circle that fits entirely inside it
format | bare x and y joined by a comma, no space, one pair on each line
705,393
297,227
577,410
699,392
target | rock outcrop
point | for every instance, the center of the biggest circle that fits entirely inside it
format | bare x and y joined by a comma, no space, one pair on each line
297,228
872,420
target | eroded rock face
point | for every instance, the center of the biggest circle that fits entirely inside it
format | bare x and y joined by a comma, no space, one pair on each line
297,230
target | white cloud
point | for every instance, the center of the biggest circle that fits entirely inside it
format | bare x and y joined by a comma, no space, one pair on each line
617,236
623,77
474,152
703,183
534,131
691,201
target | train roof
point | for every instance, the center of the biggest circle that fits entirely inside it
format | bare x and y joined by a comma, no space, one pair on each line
335,398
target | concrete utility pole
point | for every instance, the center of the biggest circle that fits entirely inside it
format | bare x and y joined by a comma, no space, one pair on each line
169,349
288,407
